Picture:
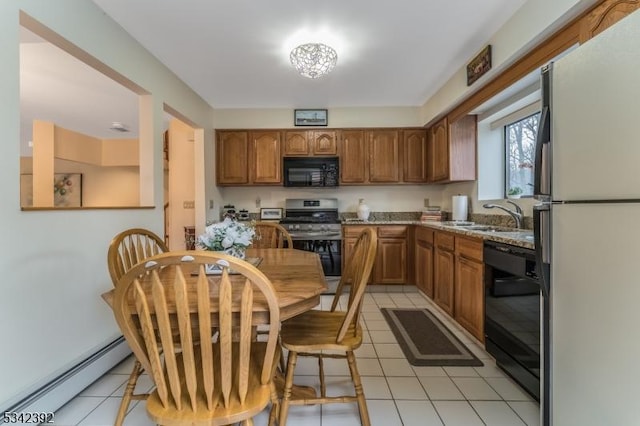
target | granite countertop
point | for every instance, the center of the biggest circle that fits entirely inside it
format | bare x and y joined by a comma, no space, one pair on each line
506,235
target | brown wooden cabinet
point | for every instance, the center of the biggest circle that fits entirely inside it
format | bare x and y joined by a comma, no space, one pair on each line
384,156
248,158
444,271
232,155
391,262
391,258
469,285
353,157
414,143
452,150
310,142
424,260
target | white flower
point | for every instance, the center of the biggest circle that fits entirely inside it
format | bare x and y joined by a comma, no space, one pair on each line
227,235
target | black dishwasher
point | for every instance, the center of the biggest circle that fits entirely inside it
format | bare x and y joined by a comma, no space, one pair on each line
513,303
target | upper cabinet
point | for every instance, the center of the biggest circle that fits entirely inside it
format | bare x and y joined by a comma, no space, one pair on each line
367,156
384,156
248,157
605,15
310,142
452,150
414,143
353,157
232,155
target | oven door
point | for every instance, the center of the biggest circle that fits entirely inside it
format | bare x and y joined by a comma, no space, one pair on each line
330,252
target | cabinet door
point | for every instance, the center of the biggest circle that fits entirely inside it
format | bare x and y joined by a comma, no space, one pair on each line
424,267
469,296
462,149
415,155
296,143
324,142
439,152
353,157
232,156
266,163
443,276
391,261
384,156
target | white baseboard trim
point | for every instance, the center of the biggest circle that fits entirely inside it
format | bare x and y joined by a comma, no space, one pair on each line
66,386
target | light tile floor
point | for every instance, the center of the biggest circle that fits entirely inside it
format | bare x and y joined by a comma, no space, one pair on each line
397,393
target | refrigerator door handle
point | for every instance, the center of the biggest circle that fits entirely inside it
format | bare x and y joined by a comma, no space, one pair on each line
541,239
541,180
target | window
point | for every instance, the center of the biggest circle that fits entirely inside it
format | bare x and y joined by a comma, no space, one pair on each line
520,139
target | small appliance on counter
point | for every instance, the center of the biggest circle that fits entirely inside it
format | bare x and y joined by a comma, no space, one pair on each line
243,215
228,211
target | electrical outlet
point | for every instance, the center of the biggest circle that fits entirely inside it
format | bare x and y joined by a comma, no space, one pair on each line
210,204
258,201
426,202
189,204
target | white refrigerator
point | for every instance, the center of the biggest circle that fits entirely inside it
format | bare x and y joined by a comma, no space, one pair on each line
587,230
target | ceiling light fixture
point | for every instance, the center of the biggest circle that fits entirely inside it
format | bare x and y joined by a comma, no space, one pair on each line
313,60
119,127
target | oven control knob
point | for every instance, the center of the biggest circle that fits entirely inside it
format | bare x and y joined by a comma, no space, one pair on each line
297,226
310,227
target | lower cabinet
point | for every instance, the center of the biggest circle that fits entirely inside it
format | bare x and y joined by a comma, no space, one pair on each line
424,260
457,277
444,271
469,286
391,262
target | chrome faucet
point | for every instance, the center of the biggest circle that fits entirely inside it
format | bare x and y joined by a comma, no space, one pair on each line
517,215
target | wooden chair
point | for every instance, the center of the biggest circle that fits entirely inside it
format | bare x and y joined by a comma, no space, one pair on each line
271,235
315,332
130,247
125,250
219,381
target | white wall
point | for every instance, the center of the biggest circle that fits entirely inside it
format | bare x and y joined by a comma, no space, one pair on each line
53,263
534,21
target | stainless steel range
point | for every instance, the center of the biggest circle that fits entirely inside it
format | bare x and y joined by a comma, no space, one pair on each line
314,225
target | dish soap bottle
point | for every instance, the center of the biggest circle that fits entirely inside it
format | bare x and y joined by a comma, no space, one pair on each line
363,210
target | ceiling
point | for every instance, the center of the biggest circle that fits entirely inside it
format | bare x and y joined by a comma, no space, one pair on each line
235,54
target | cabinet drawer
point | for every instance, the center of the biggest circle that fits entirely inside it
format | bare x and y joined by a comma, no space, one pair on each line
353,231
471,248
445,241
391,231
424,234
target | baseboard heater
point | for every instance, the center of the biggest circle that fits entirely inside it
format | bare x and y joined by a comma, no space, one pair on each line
53,395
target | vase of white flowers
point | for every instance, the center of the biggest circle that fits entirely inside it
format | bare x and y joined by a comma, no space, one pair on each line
228,236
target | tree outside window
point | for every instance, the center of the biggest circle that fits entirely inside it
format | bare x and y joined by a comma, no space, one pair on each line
520,138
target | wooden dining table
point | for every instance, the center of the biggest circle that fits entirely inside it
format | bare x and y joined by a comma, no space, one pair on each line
296,275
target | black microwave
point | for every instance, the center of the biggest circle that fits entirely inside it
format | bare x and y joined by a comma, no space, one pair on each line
311,171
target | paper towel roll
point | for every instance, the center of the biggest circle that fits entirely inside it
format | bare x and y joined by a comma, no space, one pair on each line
459,207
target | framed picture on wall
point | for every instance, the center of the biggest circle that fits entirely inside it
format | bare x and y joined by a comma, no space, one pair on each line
271,213
310,117
67,190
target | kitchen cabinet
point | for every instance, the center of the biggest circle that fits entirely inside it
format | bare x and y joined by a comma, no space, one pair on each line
353,157
232,155
384,156
469,285
444,271
605,15
452,150
265,157
391,258
248,158
310,142
391,264
414,142
424,260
